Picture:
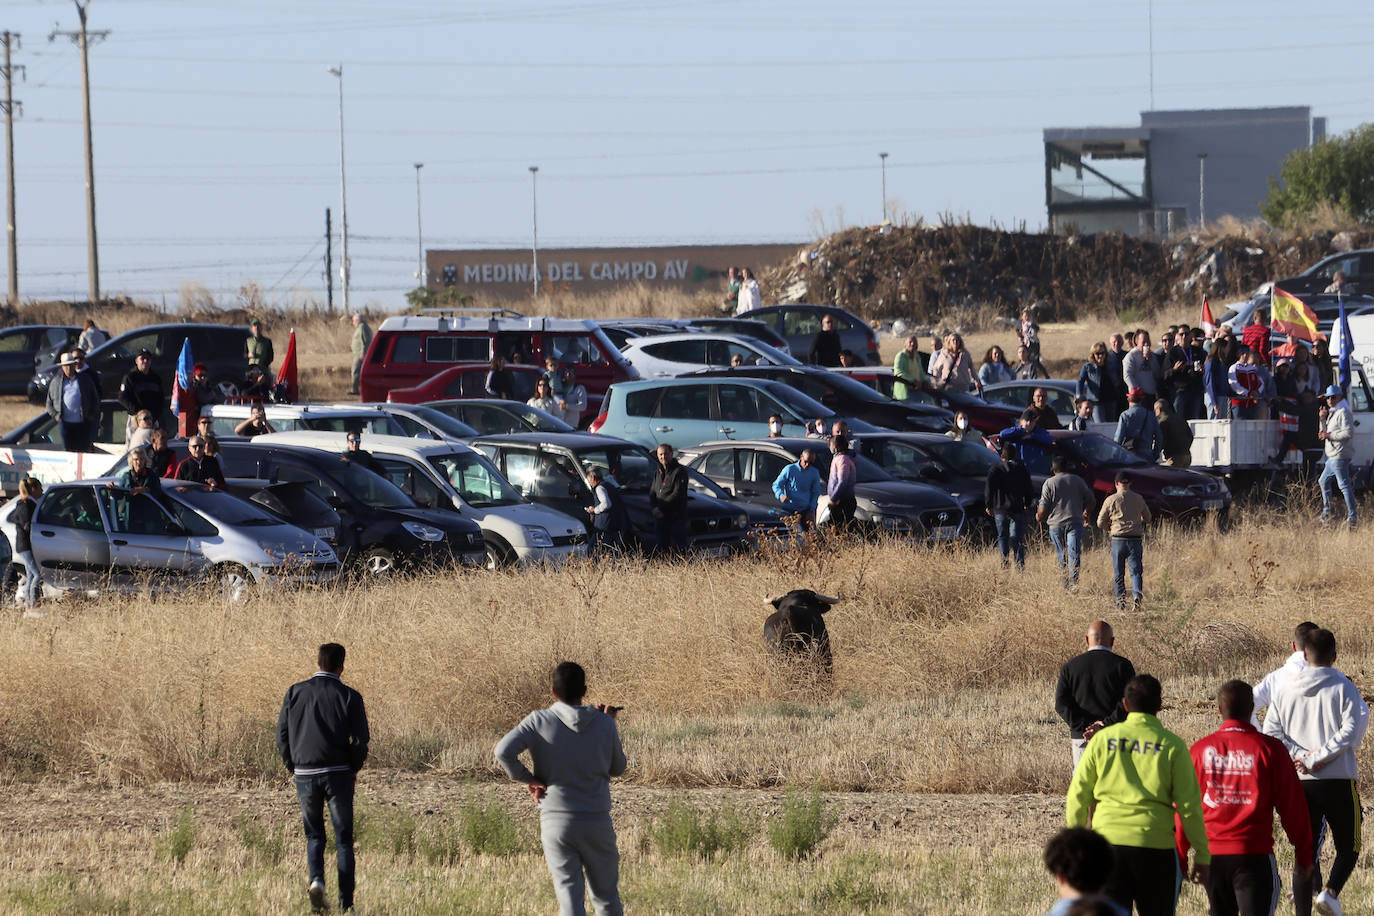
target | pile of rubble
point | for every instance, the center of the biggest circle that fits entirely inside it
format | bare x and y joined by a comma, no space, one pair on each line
923,273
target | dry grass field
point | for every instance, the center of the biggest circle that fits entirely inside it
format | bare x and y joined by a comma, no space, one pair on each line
136,733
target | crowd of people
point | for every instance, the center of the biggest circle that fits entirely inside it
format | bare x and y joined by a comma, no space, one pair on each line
1149,799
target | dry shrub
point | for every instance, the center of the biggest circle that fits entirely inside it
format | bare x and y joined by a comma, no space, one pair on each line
1227,645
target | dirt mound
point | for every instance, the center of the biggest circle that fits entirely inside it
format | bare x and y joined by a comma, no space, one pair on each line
921,272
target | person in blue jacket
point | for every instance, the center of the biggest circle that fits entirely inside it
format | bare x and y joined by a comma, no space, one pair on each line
1033,444
798,487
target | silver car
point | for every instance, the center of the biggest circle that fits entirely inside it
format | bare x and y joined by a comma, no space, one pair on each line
90,537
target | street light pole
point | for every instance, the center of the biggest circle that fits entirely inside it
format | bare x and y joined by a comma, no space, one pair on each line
419,230
1201,190
343,196
534,205
883,158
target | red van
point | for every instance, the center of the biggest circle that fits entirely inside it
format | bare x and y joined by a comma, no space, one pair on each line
408,349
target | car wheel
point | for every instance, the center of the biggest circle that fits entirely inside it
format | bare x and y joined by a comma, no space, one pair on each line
235,582
228,388
499,555
378,563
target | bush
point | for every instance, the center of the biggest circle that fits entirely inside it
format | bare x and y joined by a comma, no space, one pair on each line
176,842
267,845
683,831
805,822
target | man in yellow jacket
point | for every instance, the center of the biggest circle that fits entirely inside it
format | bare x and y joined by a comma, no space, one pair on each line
1132,779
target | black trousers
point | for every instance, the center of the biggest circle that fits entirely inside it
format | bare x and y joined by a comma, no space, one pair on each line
1243,886
1333,806
842,512
76,437
1148,878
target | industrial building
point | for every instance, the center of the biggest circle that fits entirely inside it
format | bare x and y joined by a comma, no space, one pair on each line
1178,168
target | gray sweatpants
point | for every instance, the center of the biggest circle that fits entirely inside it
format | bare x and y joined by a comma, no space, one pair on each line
577,842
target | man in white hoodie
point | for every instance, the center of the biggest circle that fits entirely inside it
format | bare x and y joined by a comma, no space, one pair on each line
575,750
1319,716
1266,688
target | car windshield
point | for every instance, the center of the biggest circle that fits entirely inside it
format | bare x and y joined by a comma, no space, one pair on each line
1099,451
700,483
541,421
437,419
631,467
476,479
966,459
803,408
368,488
223,507
379,424
772,353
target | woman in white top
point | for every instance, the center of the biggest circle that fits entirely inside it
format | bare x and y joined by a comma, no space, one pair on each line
750,297
544,399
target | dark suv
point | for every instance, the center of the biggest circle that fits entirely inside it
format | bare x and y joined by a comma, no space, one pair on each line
220,347
1358,267
23,348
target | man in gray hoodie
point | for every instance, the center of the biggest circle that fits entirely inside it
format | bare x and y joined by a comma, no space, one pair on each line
1320,717
575,750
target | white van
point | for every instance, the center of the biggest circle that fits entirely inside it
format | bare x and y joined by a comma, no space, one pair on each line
449,475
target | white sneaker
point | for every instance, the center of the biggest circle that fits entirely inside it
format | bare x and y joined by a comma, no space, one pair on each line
1327,904
317,901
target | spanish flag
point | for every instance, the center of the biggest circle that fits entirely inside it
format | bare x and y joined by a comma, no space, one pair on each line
1290,315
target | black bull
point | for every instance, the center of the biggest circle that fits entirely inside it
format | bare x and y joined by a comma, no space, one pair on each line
797,628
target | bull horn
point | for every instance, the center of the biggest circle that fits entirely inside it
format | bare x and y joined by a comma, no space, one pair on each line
827,599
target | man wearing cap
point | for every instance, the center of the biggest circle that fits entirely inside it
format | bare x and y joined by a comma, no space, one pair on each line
204,391
199,467
74,403
1336,435
258,347
1137,430
362,338
1032,443
141,389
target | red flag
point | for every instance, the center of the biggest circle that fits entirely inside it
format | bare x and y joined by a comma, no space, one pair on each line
286,375
1208,323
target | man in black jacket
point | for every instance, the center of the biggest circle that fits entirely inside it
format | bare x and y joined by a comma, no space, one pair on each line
141,388
825,346
1007,494
322,737
668,501
1091,685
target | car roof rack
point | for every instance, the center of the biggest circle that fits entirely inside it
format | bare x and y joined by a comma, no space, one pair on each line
493,312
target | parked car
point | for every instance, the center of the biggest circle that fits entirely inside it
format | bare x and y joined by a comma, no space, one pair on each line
745,327
622,330
798,324
44,433
369,419
421,422
294,502
982,416
220,347
27,347
91,538
552,469
677,354
1059,391
885,504
1358,267
685,412
408,349
447,475
1168,492
493,416
469,380
384,530
959,468
846,396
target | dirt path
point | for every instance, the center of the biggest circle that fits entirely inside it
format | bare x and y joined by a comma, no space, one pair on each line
981,820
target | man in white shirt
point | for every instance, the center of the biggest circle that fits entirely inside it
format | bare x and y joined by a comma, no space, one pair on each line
1269,685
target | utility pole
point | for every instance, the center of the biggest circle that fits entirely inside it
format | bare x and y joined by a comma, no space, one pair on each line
343,195
534,207
1202,190
419,231
83,41
883,158
328,262
11,39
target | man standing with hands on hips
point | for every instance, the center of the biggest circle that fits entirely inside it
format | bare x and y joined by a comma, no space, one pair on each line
575,750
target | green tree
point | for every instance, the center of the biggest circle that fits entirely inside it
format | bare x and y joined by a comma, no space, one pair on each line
1338,172
422,297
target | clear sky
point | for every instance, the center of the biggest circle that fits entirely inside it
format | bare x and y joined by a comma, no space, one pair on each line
652,122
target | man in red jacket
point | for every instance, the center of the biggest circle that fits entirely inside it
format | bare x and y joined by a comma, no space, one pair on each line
1245,777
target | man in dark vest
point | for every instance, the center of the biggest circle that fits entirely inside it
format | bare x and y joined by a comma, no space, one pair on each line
1090,688
608,520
